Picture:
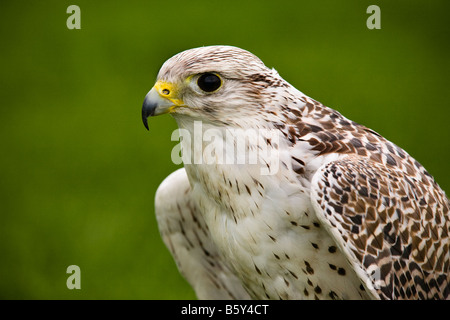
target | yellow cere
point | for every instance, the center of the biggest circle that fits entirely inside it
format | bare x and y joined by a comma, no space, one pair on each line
168,91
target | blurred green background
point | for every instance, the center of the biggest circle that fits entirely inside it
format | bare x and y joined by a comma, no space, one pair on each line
78,169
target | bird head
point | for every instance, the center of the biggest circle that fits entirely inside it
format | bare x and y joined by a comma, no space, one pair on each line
213,83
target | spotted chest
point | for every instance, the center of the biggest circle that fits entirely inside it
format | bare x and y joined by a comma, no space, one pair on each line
278,252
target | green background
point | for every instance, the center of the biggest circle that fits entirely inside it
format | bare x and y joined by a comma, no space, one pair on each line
78,169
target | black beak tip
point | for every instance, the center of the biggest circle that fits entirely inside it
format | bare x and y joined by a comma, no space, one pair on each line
147,110
145,123
144,118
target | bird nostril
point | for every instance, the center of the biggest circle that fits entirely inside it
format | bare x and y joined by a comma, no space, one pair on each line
165,92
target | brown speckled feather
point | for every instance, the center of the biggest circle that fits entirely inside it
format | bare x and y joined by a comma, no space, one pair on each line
394,227
381,205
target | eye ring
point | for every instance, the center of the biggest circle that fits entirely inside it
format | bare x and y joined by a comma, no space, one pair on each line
209,82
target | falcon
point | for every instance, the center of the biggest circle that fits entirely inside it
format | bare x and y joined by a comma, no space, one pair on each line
344,214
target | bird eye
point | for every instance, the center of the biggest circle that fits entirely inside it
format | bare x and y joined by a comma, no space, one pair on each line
209,82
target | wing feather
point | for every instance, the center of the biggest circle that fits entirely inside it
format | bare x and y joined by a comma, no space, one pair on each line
188,239
393,228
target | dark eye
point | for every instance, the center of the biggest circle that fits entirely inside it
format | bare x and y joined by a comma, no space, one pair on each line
209,82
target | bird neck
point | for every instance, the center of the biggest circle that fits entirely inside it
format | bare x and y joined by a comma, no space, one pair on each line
229,164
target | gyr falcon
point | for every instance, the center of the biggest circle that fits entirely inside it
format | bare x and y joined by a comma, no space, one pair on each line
327,209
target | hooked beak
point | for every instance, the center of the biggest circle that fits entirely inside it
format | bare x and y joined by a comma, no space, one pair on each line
154,105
